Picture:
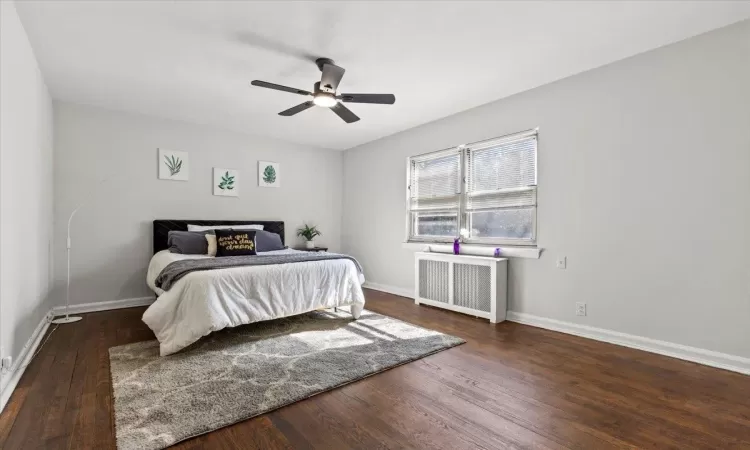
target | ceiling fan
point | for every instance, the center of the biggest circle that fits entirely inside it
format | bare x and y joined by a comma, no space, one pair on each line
324,93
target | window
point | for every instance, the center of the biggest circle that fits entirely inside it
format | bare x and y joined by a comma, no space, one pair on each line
486,189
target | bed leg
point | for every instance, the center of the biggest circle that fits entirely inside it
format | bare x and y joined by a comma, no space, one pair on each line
357,310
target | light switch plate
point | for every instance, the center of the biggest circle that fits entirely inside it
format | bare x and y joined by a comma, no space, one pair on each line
562,262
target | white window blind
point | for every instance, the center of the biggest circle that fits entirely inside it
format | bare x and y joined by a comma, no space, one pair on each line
435,194
501,188
487,189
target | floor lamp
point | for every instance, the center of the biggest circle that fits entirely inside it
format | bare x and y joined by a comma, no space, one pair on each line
68,318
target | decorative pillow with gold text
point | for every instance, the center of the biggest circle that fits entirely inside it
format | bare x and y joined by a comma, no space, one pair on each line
235,242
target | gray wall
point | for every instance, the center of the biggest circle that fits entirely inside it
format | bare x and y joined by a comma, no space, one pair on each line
112,235
644,177
25,189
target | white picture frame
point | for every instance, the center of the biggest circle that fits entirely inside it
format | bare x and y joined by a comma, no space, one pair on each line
269,174
173,165
226,182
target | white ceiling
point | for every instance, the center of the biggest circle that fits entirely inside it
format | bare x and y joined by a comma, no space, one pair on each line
193,61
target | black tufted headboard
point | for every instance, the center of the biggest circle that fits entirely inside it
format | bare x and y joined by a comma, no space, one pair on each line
162,228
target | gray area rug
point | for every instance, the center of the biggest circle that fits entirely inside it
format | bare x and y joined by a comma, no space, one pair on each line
238,373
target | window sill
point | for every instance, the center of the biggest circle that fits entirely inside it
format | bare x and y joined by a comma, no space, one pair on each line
476,250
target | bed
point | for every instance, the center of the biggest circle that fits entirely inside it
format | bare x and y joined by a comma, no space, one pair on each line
205,301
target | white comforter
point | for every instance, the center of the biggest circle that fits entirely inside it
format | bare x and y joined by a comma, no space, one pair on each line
207,301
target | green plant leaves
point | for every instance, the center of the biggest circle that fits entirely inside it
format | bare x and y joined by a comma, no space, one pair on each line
174,164
308,232
269,175
227,182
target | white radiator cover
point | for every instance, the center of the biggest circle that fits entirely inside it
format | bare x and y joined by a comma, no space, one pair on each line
475,285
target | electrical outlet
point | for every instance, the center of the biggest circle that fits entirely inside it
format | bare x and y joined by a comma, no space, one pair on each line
580,309
562,262
7,362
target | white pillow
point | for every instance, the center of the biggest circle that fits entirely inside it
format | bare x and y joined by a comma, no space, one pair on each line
211,238
223,227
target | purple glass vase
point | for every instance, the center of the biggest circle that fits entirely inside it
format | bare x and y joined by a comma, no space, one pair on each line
456,246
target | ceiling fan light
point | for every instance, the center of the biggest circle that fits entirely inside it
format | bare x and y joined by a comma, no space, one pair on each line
325,101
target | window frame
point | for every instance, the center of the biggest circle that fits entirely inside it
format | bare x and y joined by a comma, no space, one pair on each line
409,212
463,214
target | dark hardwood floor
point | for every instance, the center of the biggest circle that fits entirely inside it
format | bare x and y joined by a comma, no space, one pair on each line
510,385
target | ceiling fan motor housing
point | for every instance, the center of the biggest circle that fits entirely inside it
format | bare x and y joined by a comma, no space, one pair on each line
320,62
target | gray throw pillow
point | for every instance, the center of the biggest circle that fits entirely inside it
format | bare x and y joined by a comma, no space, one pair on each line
188,242
265,241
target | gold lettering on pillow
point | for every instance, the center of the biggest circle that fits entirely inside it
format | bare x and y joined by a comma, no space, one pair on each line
236,242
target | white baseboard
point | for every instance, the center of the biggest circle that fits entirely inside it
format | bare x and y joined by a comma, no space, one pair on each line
17,369
694,354
408,293
698,355
104,306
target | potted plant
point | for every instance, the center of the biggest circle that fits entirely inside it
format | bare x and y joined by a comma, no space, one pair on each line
309,233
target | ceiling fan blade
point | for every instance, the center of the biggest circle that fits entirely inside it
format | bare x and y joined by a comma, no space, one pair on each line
345,113
279,87
331,78
297,109
383,99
